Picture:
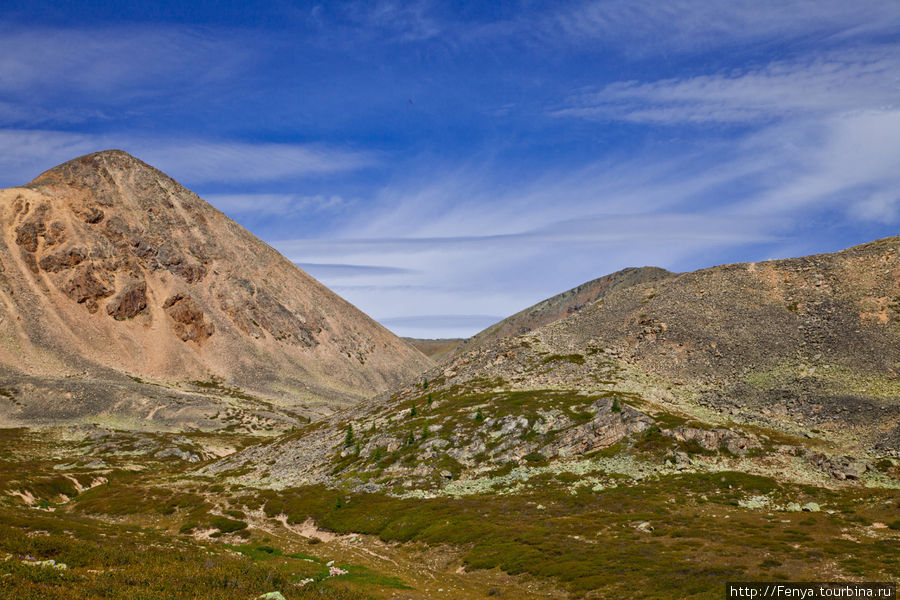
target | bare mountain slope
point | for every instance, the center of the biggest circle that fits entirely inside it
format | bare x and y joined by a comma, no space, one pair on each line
561,306
109,267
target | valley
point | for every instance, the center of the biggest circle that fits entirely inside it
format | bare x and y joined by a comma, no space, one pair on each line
645,435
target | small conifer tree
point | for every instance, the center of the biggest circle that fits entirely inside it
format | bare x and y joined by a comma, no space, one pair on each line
348,439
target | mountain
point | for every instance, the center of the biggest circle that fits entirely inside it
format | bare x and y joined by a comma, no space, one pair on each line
546,311
737,358
112,271
736,423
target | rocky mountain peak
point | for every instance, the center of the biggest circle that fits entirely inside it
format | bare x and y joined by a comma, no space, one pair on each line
108,261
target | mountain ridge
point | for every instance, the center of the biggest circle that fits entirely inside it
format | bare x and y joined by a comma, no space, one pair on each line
112,266
548,310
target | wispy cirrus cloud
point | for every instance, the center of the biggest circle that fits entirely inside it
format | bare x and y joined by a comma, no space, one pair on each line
116,63
26,153
643,27
284,205
401,21
816,86
845,161
339,271
226,161
467,244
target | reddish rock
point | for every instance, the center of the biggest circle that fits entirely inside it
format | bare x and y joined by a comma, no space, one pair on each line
129,303
55,234
85,287
27,234
30,261
67,259
189,322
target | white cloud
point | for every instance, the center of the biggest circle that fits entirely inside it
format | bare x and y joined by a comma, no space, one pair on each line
840,162
469,244
649,26
882,207
275,204
837,82
340,271
213,161
402,21
26,153
114,63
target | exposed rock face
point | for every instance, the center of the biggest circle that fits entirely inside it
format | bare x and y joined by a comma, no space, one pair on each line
130,302
713,440
27,235
66,259
87,286
185,292
189,321
604,430
839,467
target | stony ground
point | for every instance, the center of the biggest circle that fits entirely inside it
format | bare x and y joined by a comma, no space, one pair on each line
127,514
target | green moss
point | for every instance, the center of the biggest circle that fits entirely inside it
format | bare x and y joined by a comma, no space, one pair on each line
226,525
577,359
362,575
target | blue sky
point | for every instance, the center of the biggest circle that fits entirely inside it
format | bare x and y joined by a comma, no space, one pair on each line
443,165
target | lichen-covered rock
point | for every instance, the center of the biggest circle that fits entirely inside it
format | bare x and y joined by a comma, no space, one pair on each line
838,467
191,457
714,440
